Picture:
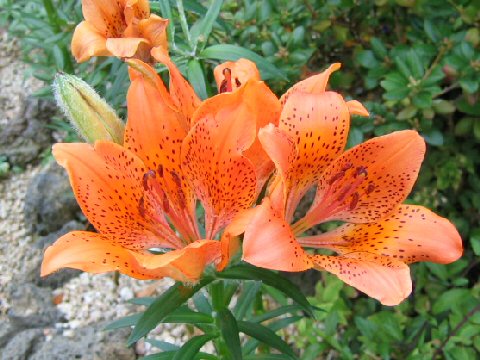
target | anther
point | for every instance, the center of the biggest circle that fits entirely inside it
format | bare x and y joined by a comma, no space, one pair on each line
141,207
361,171
354,201
148,174
347,166
336,177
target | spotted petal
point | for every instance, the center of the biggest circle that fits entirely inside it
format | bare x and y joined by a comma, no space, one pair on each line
380,277
155,133
107,181
368,181
318,124
223,179
269,242
96,253
410,234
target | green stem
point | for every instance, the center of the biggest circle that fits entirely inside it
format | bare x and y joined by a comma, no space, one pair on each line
52,15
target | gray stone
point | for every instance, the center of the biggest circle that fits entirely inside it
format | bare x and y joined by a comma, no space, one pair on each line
25,136
89,343
31,307
50,202
33,258
22,345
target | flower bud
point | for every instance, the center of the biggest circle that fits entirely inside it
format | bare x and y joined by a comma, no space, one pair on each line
89,114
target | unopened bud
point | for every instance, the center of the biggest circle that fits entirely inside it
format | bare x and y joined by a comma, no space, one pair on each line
90,115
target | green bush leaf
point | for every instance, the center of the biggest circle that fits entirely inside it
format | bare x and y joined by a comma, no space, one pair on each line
246,298
234,52
169,301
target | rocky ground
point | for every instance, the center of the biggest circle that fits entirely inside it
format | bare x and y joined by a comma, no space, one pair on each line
61,316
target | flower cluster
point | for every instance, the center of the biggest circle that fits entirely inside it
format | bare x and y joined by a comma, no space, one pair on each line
179,152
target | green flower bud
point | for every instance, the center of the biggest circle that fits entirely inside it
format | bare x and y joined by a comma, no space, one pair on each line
89,114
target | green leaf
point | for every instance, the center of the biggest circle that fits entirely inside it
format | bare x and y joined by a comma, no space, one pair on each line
443,106
58,57
196,78
367,59
433,137
265,335
234,52
450,298
267,357
167,355
378,48
201,32
228,326
475,240
201,303
246,298
469,85
192,347
248,272
422,100
184,315
126,321
407,113
169,301
282,310
162,345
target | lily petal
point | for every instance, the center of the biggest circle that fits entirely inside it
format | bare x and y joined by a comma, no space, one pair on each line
356,108
318,124
231,75
315,84
410,234
105,16
269,242
154,29
380,277
181,91
96,253
107,182
124,47
223,179
368,181
155,133
87,41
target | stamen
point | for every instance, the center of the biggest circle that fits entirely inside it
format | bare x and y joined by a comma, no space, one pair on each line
354,201
146,176
336,177
160,170
361,171
226,85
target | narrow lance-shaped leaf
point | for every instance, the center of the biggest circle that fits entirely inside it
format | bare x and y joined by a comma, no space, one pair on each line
163,306
228,326
266,336
192,347
248,272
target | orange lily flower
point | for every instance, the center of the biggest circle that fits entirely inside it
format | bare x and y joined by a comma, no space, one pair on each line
176,151
123,28
363,186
